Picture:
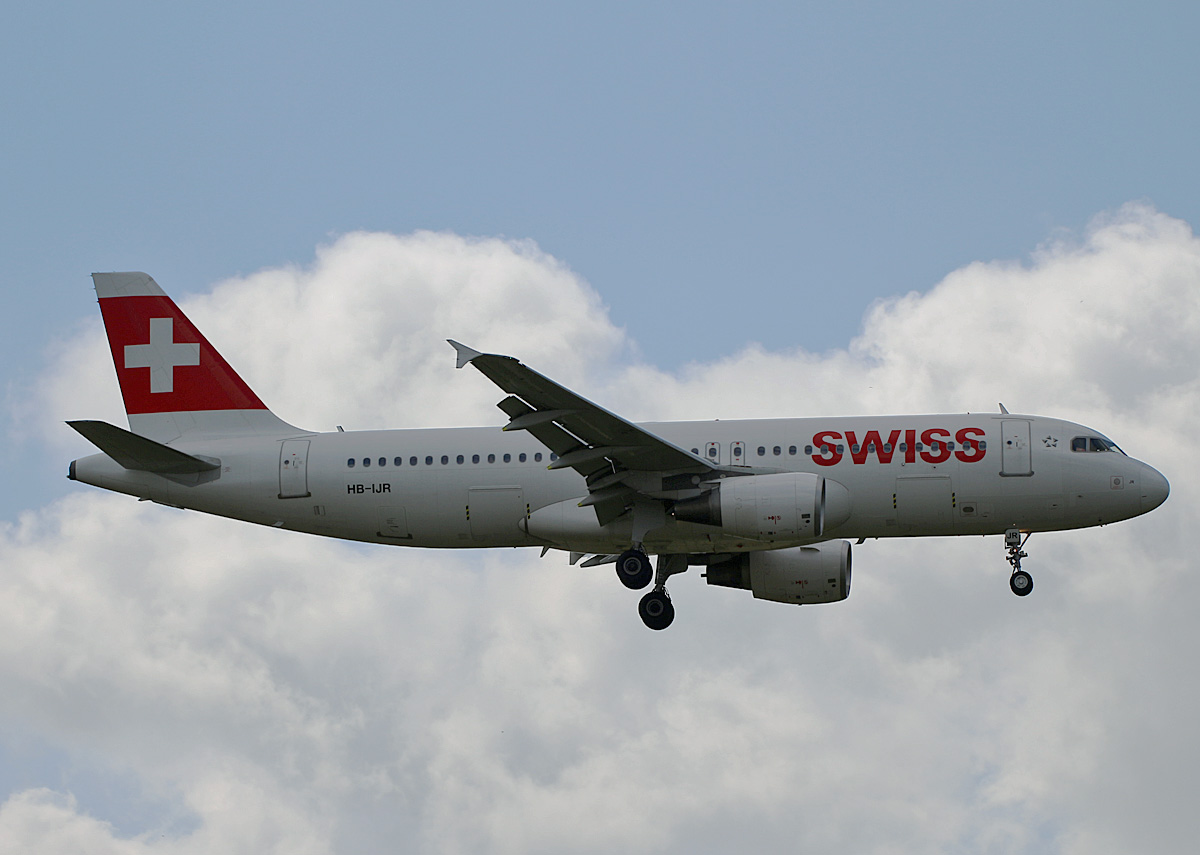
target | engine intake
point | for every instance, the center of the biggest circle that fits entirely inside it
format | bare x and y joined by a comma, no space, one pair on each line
784,506
801,575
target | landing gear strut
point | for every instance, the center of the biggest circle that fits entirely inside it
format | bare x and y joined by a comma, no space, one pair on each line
1020,582
655,608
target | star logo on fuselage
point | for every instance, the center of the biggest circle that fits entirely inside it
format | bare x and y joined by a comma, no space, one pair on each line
1050,442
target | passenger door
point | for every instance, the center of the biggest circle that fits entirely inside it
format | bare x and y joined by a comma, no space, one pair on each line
1015,456
293,469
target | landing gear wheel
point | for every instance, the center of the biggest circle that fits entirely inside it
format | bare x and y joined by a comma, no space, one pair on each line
656,609
634,570
1021,583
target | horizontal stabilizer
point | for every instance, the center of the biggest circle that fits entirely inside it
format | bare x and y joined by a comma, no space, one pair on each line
136,452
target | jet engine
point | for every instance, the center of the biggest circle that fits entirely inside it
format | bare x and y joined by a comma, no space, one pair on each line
801,575
784,506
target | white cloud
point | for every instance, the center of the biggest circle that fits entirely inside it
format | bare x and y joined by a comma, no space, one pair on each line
303,695
372,315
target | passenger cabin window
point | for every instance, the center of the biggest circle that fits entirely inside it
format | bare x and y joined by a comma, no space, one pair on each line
474,458
491,458
383,461
399,461
777,451
762,450
538,457
445,459
521,457
412,461
429,460
792,450
350,462
366,461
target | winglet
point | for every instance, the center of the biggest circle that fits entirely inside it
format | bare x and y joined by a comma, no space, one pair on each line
465,354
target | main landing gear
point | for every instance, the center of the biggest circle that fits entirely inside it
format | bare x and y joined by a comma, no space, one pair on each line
633,568
656,609
1020,582
634,571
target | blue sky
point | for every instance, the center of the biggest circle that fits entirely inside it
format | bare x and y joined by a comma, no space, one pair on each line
798,159
719,175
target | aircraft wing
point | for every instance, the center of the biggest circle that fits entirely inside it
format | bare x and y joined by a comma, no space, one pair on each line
601,446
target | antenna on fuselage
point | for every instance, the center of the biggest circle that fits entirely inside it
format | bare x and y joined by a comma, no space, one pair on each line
1004,409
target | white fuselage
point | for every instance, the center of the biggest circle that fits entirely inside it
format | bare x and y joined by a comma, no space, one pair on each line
902,476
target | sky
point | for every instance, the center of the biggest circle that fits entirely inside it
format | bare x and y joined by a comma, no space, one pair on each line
680,211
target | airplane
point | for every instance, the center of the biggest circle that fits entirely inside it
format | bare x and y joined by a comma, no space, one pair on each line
766,505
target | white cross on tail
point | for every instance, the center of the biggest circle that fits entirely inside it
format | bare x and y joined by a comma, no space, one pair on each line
161,355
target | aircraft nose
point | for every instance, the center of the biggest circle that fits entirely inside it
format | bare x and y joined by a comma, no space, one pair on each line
1155,489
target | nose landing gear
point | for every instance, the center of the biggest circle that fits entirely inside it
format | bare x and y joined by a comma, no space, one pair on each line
1021,582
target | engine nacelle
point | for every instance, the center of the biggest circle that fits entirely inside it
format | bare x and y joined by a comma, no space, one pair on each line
801,575
785,506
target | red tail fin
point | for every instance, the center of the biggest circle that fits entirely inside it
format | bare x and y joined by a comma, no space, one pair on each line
173,381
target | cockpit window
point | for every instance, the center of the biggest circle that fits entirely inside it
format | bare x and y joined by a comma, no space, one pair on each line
1094,443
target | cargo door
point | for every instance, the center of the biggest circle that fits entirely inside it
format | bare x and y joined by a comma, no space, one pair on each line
924,506
495,514
393,522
